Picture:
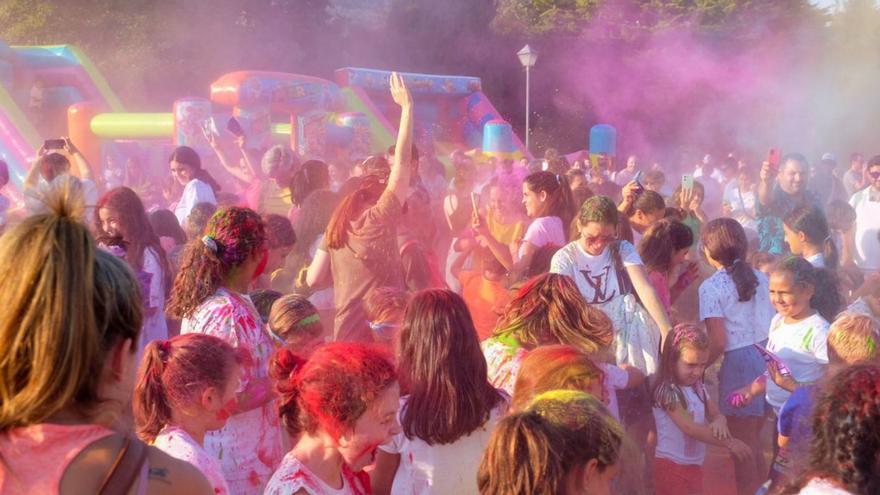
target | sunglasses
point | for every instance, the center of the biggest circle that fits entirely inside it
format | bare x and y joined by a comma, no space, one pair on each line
875,175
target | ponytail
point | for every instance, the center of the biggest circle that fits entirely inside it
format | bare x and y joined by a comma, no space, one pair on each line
312,176
283,369
522,457
560,202
725,241
354,204
826,299
151,409
830,253
811,221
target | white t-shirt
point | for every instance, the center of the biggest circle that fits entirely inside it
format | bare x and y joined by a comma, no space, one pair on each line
292,476
818,486
867,226
439,469
616,378
803,347
672,443
543,231
745,323
817,260
595,276
742,203
179,444
194,193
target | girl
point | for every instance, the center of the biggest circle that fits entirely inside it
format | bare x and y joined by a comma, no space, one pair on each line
385,308
547,199
450,408
690,202
186,387
503,226
685,417
843,455
663,250
210,297
805,298
808,236
198,185
342,405
120,216
556,367
547,310
62,424
295,322
609,275
360,250
735,306
565,443
642,209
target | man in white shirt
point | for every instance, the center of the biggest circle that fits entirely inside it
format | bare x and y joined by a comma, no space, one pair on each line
707,169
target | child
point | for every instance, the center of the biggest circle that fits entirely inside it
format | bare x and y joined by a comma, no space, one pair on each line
483,291
385,307
761,261
805,299
852,339
198,218
808,235
735,306
294,321
663,250
685,417
565,442
120,215
186,386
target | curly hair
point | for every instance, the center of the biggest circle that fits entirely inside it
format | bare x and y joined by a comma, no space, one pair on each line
845,446
549,309
331,390
236,233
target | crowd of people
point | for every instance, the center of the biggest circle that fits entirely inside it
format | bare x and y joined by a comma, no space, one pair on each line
526,327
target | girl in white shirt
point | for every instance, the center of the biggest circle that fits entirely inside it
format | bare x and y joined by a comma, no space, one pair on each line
735,306
198,185
685,417
548,202
806,298
808,236
186,387
451,408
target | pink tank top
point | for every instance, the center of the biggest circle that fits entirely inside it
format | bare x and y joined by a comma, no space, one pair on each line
33,458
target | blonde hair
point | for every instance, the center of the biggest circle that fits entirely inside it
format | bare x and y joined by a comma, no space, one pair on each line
853,338
554,367
295,319
65,306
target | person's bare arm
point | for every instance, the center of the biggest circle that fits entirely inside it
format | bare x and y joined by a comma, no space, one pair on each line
319,269
401,169
765,184
649,298
83,169
239,173
382,476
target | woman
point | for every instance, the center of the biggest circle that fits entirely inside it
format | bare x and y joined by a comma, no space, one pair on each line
198,185
547,310
120,216
547,199
340,405
210,297
360,249
503,227
76,311
450,407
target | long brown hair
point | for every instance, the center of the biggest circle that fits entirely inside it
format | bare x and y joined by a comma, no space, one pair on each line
725,241
532,452
65,305
366,195
231,237
554,367
173,373
549,309
442,369
139,235
559,199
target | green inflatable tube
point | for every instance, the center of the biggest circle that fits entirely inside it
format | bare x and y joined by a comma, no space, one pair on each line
133,125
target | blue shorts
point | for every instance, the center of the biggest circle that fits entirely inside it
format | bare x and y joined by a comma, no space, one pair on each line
739,368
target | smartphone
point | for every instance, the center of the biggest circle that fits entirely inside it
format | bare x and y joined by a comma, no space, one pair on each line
638,180
54,144
234,127
769,356
687,182
774,156
475,201
209,127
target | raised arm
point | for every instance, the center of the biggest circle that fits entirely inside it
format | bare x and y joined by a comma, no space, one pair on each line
241,174
765,184
83,169
398,181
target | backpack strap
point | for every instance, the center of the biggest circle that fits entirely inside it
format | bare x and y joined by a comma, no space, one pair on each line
126,468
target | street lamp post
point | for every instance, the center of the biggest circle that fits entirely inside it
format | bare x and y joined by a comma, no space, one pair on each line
527,57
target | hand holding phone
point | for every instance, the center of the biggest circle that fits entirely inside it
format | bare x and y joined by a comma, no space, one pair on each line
54,144
234,127
774,157
638,180
687,182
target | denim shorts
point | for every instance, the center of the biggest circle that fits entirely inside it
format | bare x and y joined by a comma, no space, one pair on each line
739,368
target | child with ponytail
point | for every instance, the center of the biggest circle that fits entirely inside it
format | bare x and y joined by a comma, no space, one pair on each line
663,250
806,299
186,387
548,202
686,418
735,307
341,404
210,297
808,236
564,443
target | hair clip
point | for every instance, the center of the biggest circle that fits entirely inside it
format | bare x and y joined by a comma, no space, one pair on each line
210,243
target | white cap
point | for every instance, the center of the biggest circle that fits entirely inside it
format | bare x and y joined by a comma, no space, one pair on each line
829,157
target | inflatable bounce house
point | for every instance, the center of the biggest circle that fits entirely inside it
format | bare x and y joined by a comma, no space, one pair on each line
345,119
